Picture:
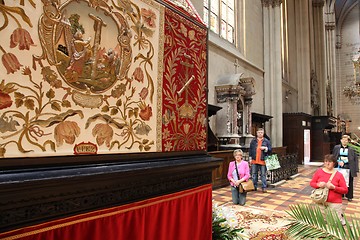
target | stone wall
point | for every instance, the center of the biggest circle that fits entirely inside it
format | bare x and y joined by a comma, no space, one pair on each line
349,110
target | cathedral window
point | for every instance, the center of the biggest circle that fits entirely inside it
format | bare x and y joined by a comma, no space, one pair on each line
219,16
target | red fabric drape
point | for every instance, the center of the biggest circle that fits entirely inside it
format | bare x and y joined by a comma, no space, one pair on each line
183,100
183,215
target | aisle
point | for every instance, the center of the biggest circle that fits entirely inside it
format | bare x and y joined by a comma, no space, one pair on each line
294,191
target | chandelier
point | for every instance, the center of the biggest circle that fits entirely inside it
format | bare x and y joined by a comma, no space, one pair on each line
353,91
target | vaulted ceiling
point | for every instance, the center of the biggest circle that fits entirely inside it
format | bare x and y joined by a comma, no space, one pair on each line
342,7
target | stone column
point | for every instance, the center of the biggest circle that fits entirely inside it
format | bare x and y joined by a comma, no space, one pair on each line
272,67
247,84
267,56
302,52
320,64
331,56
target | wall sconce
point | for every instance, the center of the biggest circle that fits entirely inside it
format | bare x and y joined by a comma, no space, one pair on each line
287,93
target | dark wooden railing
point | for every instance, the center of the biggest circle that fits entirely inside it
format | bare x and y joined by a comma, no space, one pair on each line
288,168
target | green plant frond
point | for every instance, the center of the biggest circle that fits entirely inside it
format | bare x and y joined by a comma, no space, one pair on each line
356,226
308,214
304,231
353,228
334,225
308,222
356,147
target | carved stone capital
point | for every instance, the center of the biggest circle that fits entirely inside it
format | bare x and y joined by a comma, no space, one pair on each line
248,101
248,85
229,92
329,26
276,3
272,3
318,3
265,3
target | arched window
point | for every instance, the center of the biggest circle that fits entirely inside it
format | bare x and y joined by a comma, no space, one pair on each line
219,16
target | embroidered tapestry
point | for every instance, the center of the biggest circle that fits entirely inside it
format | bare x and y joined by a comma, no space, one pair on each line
99,77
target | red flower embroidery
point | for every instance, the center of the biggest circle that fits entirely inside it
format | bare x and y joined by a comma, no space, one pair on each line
26,71
5,100
10,62
143,93
103,133
138,75
22,38
149,17
145,112
66,131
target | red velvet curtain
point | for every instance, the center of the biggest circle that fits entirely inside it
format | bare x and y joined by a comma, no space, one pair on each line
182,215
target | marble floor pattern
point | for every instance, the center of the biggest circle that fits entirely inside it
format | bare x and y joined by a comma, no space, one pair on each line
293,191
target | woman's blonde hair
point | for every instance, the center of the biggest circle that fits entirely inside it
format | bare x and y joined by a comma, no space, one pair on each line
238,151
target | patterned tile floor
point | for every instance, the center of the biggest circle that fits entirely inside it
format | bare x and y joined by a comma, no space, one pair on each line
293,191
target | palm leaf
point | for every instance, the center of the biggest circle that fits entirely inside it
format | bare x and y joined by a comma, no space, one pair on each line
355,146
308,222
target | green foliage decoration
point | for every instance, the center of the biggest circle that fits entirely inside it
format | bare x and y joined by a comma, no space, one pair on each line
308,221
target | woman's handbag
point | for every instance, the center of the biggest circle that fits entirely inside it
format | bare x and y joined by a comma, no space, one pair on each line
320,195
246,186
272,162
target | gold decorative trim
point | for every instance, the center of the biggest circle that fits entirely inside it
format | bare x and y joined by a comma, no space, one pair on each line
160,80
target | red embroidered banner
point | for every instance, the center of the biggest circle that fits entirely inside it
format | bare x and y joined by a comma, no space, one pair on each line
182,215
184,85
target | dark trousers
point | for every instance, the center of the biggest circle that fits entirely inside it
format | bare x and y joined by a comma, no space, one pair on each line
350,193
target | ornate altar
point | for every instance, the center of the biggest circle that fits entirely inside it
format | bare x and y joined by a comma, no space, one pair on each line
234,95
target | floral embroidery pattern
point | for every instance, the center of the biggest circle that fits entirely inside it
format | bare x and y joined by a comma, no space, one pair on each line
80,87
103,133
66,131
10,62
71,84
20,37
184,111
